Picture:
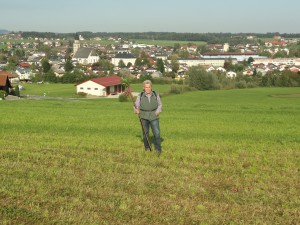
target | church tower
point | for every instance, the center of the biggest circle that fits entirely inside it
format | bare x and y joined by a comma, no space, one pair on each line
76,44
226,47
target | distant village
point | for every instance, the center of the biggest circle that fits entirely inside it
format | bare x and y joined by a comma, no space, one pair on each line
21,61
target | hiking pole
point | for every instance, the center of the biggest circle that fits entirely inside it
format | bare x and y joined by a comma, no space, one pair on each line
143,127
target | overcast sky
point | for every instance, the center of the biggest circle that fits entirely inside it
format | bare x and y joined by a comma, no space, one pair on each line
193,16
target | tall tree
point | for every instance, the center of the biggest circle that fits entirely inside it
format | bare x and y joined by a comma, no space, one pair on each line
50,76
69,65
121,64
174,63
46,65
160,65
177,46
250,60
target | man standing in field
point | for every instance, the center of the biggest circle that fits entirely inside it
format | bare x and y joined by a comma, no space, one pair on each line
148,105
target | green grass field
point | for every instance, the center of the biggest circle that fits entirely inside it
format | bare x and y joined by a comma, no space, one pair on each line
145,41
166,42
229,157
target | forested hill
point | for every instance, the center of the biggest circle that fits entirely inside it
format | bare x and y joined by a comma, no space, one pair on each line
3,31
207,37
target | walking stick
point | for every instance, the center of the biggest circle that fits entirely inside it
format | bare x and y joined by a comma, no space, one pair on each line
143,127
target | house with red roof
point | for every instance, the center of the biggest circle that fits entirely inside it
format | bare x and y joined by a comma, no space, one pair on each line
5,84
101,86
24,64
12,78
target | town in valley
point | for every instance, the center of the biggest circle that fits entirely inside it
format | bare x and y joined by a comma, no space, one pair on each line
79,58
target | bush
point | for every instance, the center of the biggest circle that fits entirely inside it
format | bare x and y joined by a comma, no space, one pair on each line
123,98
15,91
251,85
82,94
241,84
178,89
2,94
203,80
175,89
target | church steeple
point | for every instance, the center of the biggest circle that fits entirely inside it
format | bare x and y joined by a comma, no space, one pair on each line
76,44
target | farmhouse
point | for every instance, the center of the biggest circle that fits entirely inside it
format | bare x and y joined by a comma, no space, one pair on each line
12,78
5,83
101,86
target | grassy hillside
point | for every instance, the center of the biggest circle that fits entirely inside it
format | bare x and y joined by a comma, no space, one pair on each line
229,157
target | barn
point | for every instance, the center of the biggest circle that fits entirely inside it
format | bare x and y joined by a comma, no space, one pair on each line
5,83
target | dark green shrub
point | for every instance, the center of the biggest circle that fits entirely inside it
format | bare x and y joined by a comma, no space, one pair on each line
175,89
15,91
241,84
178,89
200,79
251,85
2,94
82,94
123,98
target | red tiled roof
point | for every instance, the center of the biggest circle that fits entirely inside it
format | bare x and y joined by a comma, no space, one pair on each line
5,73
24,64
278,43
3,79
105,81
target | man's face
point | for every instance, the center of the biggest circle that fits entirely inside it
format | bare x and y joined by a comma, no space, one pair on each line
147,88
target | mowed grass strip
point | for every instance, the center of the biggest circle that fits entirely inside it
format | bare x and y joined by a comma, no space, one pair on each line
228,157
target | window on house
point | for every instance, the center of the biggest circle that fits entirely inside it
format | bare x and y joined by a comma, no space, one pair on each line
81,88
96,89
89,88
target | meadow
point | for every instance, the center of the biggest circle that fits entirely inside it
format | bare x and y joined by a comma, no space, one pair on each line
229,157
163,43
166,42
69,90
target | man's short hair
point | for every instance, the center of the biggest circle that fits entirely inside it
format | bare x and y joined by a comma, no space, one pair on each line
147,82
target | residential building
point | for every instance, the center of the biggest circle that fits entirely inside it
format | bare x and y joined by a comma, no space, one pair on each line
101,86
5,84
236,55
125,57
203,62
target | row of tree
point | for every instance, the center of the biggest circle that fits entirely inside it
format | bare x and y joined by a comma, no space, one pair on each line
201,79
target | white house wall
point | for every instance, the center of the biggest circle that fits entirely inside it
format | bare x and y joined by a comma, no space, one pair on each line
89,60
279,61
23,75
202,62
116,61
91,88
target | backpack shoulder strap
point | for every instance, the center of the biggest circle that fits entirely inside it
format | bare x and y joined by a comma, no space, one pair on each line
142,93
155,94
